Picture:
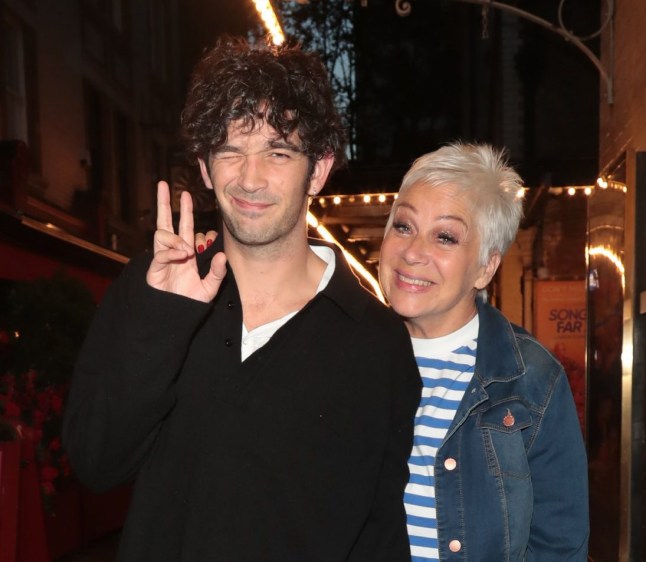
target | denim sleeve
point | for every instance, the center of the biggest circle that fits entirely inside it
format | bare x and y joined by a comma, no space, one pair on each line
560,523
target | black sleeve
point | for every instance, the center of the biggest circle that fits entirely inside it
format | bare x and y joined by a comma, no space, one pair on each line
384,537
123,383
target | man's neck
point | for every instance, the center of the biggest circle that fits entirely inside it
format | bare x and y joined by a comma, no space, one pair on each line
273,281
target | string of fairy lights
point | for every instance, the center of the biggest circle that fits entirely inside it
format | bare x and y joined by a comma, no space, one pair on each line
388,198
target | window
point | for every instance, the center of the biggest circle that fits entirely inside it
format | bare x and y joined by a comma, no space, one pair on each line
159,39
18,107
118,15
123,166
105,26
15,91
94,134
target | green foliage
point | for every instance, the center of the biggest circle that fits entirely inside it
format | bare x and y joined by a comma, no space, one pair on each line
42,327
327,27
47,319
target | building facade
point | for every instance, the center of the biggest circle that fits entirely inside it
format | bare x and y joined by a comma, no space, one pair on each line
92,88
90,94
615,226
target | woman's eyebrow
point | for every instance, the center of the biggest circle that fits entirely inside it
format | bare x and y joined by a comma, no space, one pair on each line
406,205
454,218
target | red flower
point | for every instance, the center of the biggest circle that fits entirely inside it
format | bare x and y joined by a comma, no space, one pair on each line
38,418
31,433
30,382
64,462
56,404
11,409
42,399
48,473
55,444
47,488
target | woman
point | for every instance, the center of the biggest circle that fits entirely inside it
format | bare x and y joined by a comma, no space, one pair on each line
498,470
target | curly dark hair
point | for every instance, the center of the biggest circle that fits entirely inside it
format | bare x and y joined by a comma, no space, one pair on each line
282,85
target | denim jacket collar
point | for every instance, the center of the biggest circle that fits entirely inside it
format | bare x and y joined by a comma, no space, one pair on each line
498,358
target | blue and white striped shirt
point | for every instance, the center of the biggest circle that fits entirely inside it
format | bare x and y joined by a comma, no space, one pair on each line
446,365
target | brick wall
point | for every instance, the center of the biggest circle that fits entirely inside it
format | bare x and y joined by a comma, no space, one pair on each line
623,124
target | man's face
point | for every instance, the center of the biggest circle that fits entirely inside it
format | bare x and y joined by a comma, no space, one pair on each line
262,183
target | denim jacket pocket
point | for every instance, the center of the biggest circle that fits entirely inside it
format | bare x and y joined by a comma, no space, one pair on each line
502,428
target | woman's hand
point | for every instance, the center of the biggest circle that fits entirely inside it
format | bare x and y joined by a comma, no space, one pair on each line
174,268
203,241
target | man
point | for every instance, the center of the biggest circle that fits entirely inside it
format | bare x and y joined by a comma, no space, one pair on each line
261,398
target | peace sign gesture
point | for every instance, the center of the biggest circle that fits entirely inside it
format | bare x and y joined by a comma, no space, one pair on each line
174,268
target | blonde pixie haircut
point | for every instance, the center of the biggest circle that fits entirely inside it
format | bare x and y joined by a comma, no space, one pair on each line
483,174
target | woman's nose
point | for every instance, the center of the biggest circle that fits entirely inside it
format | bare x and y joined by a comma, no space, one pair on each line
415,251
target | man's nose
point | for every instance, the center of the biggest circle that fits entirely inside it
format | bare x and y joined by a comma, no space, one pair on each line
252,173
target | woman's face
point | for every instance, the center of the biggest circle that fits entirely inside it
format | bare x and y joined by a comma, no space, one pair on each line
429,268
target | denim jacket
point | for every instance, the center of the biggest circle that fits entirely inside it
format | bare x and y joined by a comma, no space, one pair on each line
511,474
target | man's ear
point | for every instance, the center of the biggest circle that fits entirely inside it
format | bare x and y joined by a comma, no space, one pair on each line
205,174
488,271
320,173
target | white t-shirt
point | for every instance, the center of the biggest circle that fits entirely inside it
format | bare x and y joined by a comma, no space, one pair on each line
254,340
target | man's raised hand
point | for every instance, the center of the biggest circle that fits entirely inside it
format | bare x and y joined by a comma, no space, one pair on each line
173,268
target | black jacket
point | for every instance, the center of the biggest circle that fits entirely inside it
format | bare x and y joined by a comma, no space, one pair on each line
297,454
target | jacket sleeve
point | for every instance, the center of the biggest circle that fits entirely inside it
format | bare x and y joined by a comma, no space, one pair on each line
123,383
560,523
384,537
